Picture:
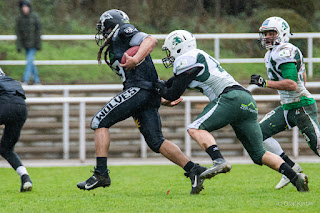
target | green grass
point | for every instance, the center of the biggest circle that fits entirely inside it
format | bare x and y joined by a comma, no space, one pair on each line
248,188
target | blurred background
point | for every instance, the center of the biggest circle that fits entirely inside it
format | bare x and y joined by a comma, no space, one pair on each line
154,17
55,129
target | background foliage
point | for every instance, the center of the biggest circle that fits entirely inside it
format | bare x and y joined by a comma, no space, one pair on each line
153,16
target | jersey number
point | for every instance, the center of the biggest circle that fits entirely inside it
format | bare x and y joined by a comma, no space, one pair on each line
118,70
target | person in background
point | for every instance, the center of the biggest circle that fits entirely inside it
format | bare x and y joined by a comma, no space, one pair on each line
28,31
13,114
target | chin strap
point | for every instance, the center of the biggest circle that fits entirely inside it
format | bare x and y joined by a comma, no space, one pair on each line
106,42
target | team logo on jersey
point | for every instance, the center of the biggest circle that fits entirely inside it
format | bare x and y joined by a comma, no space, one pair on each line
176,40
284,53
182,64
130,30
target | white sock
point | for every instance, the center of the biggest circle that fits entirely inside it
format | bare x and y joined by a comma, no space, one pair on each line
21,170
273,146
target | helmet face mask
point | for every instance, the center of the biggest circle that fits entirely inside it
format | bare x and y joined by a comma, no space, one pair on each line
269,39
177,43
2,73
169,60
281,35
108,23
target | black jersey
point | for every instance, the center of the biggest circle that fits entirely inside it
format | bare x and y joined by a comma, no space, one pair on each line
11,91
144,75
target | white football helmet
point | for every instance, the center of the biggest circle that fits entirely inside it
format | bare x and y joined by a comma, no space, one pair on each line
280,26
177,43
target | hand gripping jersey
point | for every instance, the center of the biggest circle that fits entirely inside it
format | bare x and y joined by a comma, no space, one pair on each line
286,53
143,75
211,80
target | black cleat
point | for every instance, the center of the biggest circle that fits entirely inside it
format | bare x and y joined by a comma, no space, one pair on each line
196,181
26,184
95,181
301,182
220,165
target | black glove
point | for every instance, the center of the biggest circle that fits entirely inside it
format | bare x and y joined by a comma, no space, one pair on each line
258,80
160,85
19,50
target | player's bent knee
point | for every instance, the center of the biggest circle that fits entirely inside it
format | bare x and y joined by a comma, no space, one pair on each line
192,132
5,151
155,144
257,158
257,161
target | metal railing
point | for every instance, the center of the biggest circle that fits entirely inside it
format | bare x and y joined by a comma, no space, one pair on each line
217,37
82,101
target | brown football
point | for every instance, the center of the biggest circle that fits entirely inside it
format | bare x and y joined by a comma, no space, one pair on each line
131,52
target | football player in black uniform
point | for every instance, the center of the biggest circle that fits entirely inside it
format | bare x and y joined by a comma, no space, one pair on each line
138,99
13,114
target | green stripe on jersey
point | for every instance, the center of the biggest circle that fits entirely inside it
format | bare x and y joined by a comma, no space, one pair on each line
205,75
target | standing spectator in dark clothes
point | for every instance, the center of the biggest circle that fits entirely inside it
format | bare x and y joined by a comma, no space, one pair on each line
28,31
13,114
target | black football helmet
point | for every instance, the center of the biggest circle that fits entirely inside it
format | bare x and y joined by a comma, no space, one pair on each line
109,22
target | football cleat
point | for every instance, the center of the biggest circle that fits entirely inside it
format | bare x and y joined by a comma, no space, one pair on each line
96,180
284,180
220,165
196,181
302,182
26,184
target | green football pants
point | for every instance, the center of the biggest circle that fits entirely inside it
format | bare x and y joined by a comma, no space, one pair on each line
238,109
305,118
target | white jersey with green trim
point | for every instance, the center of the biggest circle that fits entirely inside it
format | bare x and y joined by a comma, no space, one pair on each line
281,54
211,80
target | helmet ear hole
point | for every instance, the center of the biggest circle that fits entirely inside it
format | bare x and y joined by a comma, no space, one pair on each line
179,50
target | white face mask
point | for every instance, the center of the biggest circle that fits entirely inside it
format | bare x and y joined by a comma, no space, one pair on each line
1,72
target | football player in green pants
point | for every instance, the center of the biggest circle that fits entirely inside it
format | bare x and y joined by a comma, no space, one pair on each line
286,71
230,103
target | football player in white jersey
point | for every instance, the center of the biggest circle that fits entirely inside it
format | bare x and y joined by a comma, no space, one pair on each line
286,71
230,103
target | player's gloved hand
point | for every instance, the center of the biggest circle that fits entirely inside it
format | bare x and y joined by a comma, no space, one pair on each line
160,85
18,50
258,80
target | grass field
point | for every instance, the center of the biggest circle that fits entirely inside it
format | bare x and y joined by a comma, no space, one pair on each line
248,188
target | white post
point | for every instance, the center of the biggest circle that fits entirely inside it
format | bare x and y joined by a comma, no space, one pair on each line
82,131
187,117
295,142
216,48
310,56
66,126
143,147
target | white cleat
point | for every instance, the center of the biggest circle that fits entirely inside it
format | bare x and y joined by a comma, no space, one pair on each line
284,180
